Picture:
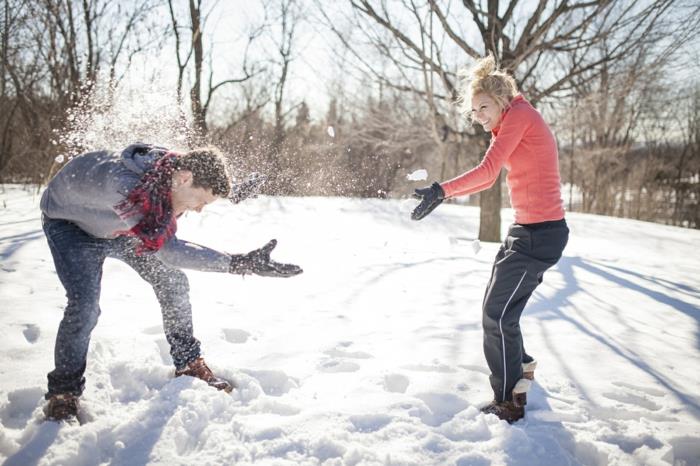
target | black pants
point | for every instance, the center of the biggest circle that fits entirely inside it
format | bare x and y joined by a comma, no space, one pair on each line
78,258
526,253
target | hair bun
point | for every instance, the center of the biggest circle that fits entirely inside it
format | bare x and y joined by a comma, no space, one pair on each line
483,67
485,77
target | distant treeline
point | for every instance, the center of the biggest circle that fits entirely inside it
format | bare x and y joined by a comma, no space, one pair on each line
608,76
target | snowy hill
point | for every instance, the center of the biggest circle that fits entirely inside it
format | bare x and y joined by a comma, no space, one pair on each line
372,356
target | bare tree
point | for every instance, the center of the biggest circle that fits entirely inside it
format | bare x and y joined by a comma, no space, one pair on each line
6,24
181,61
52,53
20,109
200,101
384,138
200,121
288,16
684,170
623,105
545,47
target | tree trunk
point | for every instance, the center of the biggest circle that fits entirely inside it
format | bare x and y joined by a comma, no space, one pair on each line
4,46
196,91
490,215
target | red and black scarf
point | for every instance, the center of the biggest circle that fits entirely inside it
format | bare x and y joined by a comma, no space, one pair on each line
152,199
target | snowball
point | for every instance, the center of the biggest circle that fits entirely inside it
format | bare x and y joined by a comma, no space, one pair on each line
331,131
418,175
476,246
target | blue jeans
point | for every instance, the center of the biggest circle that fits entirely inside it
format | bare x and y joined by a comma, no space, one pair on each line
78,258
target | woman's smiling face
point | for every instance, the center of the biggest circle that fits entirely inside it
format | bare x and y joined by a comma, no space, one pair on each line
486,111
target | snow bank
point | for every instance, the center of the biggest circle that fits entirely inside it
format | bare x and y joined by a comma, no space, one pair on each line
373,355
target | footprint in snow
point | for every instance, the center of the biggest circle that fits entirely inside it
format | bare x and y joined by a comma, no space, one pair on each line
16,412
273,383
443,368
271,406
368,423
332,365
337,360
473,368
438,408
629,444
633,399
396,383
270,433
341,351
164,351
234,335
31,332
647,390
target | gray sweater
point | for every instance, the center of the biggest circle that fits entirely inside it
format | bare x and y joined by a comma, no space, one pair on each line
87,189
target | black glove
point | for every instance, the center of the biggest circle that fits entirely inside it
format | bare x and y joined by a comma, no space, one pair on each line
259,263
430,197
249,187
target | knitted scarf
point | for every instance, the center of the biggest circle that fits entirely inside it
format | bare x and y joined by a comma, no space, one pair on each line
152,199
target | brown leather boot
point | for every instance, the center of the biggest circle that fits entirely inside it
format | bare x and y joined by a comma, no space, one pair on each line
199,369
62,407
505,410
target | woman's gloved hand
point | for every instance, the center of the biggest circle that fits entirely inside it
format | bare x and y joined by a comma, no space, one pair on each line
431,197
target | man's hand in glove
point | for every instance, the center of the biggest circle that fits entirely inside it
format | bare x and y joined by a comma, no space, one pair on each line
430,197
249,187
259,263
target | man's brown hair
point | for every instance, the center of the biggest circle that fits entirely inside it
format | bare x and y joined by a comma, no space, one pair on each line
208,168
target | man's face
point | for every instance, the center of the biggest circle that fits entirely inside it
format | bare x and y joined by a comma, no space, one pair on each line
187,197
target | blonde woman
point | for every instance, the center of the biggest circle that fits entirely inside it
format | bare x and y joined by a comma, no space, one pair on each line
523,143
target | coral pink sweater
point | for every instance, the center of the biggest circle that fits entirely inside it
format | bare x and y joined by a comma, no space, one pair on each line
525,146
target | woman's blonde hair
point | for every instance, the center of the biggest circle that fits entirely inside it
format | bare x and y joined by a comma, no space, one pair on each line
485,78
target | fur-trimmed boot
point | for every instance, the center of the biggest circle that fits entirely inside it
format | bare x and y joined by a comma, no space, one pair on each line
529,369
520,390
512,410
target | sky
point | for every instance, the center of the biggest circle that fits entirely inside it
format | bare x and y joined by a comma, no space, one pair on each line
321,64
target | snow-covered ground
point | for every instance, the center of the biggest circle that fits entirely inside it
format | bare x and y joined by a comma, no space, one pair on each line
373,355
